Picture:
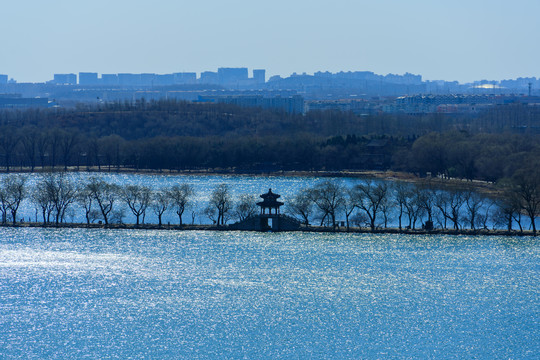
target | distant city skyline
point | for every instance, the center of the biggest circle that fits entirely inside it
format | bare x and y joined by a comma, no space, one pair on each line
460,40
227,75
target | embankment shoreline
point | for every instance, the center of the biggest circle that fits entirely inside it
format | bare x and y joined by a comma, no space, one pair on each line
312,229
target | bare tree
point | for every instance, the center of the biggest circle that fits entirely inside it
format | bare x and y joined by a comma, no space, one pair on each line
85,199
482,219
43,143
360,219
40,197
117,216
211,213
104,194
55,139
301,206
30,140
349,205
442,200
12,193
159,204
4,203
473,203
526,186
180,197
425,196
370,196
413,208
93,148
68,143
401,197
328,198
508,208
386,210
62,193
8,142
110,147
245,207
220,200
137,198
455,199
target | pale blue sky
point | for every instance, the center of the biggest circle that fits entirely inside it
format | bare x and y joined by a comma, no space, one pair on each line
460,40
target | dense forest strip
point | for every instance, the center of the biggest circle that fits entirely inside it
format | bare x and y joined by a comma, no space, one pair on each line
179,136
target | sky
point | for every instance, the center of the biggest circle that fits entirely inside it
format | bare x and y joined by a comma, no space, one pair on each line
463,40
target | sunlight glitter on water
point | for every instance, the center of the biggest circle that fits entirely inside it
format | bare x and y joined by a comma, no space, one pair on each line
149,294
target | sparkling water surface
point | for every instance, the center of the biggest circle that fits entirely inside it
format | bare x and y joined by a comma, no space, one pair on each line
129,294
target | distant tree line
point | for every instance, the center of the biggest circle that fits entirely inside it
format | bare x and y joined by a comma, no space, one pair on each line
427,204
179,135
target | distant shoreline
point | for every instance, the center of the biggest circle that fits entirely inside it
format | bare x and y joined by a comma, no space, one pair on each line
312,229
483,186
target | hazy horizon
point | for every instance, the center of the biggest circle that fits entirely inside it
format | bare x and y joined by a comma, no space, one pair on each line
463,41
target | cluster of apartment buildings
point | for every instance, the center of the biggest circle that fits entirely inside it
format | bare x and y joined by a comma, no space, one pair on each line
228,77
454,103
362,92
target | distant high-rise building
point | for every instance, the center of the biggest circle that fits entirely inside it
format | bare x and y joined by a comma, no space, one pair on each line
147,79
185,78
209,77
88,78
126,79
3,79
109,79
259,75
164,80
232,76
65,79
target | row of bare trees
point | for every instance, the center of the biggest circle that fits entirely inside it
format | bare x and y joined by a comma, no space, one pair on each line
34,147
429,203
54,194
368,203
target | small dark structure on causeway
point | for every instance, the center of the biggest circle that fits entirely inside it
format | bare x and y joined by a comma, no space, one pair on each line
270,218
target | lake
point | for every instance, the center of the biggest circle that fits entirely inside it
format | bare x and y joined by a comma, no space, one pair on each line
120,294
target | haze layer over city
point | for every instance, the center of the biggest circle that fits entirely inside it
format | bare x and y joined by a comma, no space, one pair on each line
95,51
461,40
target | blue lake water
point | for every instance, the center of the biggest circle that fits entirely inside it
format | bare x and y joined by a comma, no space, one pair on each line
119,294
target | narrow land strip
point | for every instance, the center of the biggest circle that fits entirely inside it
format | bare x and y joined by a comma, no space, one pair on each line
318,229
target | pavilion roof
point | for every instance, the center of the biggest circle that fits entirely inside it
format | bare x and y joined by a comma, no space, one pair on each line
270,200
